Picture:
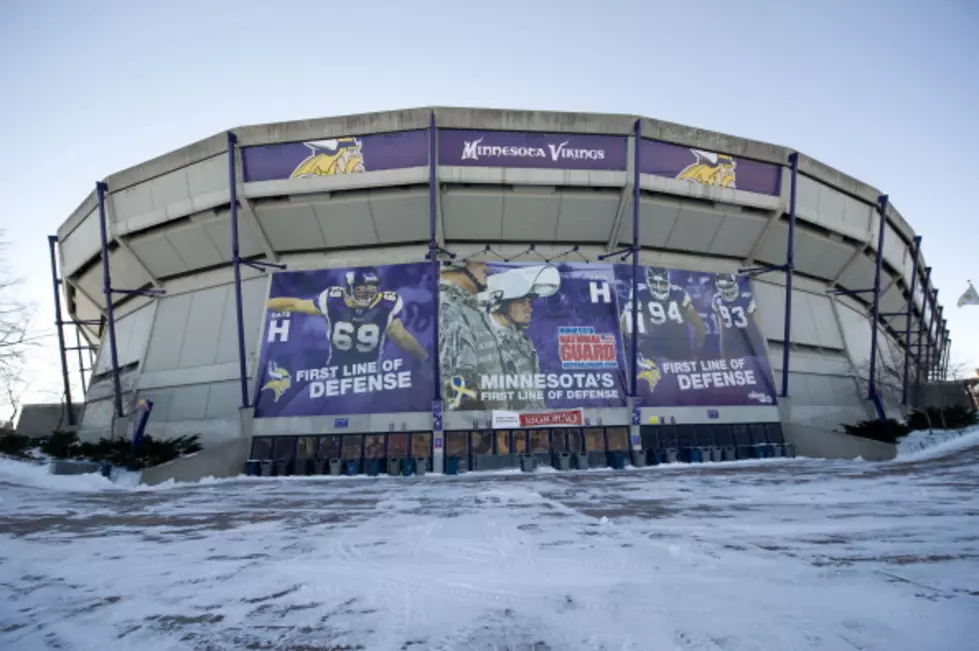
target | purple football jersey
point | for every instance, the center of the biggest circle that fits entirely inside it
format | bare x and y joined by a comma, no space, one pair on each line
734,316
664,331
357,332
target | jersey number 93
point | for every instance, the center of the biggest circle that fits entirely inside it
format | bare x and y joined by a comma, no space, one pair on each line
733,317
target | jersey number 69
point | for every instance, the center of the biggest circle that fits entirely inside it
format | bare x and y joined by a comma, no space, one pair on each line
364,338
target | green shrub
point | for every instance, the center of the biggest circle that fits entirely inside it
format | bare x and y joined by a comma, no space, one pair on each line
13,444
118,451
952,417
60,445
885,431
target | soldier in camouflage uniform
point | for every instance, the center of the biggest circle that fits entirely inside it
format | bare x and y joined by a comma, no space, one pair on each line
465,334
481,330
517,353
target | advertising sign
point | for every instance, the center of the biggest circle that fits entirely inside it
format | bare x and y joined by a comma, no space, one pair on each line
699,343
347,341
529,337
709,168
514,420
562,151
335,156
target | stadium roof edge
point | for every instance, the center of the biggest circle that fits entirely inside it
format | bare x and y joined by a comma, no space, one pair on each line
480,118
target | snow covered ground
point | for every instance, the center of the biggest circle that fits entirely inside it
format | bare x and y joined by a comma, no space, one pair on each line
773,555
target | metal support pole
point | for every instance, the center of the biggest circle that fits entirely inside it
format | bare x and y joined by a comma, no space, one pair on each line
433,247
875,307
919,349
948,357
928,337
236,268
789,273
100,190
81,359
56,284
634,335
907,320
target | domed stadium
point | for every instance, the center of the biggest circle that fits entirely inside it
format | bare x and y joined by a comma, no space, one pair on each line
459,284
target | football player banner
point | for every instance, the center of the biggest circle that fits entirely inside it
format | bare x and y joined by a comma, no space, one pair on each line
524,337
347,341
699,343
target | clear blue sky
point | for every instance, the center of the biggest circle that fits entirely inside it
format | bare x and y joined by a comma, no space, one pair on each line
884,90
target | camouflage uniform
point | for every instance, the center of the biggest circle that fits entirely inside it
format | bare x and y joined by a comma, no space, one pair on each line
465,335
519,357
471,345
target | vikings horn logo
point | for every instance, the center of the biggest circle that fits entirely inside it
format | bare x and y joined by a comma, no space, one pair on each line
280,382
460,391
710,169
331,158
650,373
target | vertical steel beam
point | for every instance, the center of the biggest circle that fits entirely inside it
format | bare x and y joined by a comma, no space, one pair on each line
928,335
920,359
882,202
59,324
100,190
789,274
236,268
634,335
948,356
907,320
433,246
81,360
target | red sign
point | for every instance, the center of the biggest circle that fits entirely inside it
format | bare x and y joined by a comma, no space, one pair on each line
584,348
553,419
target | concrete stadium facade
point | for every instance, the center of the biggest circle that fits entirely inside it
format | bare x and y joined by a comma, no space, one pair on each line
168,228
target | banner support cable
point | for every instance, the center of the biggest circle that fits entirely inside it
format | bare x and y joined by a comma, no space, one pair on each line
625,253
56,284
486,249
574,249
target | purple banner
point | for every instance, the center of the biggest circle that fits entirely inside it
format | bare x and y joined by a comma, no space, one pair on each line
526,337
335,156
709,168
699,343
561,151
347,341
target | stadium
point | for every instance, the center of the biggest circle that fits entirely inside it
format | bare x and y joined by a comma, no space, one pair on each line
277,289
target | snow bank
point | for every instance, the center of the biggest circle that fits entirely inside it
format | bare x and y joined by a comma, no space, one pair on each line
35,475
925,444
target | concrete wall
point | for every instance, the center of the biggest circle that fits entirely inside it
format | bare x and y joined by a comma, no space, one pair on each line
226,459
821,444
169,226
